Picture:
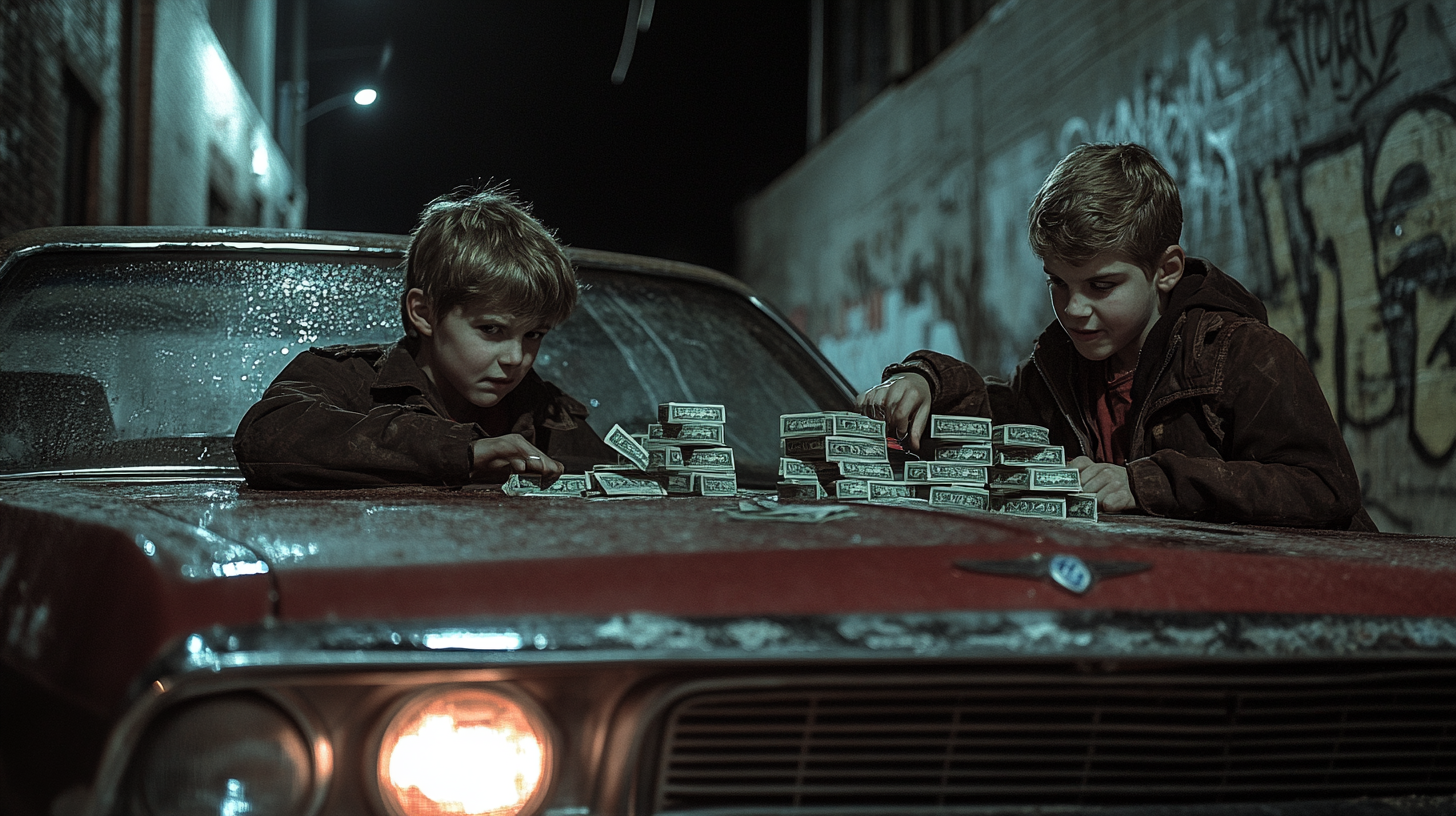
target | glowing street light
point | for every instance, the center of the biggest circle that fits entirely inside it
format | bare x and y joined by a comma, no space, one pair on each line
362,97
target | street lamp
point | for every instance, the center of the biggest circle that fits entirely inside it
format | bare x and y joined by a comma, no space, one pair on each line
362,97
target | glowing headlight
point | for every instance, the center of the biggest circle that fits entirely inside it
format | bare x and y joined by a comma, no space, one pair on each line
225,756
464,751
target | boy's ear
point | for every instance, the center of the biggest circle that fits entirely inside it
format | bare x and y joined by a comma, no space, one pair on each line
1170,269
420,311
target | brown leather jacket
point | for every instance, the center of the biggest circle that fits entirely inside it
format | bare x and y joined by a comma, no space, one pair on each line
362,416
1228,421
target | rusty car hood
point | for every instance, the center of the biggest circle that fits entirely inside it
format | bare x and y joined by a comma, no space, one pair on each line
155,562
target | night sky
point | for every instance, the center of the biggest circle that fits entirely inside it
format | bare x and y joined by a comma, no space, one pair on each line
712,110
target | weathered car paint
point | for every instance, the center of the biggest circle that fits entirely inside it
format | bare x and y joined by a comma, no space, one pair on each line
222,551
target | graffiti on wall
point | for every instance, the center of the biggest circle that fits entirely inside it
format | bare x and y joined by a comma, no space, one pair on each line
1362,241
1189,118
1338,44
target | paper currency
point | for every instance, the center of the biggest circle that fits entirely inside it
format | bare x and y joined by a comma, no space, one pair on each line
1020,435
959,428
663,458
1082,506
680,483
687,433
621,484
685,412
1032,456
708,458
968,454
715,484
956,497
529,484
836,449
887,491
801,491
797,469
1029,505
851,490
622,442
830,424
1037,478
946,473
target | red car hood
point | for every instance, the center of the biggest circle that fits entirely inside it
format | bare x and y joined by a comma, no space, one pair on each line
97,578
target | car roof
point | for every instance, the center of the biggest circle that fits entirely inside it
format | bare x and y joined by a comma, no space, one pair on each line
119,237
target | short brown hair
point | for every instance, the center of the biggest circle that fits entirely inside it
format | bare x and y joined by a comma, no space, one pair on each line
485,244
1106,198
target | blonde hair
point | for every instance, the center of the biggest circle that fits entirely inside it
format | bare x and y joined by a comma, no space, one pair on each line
484,244
1106,198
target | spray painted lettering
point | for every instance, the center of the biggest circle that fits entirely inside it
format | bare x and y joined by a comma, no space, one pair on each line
1336,42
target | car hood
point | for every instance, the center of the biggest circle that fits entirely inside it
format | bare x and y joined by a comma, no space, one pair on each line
139,565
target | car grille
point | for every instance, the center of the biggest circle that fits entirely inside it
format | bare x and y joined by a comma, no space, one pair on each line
1061,739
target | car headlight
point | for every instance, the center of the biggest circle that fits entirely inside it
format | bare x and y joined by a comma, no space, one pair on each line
225,756
464,750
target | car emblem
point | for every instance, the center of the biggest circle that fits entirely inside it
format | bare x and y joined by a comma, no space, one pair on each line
1066,571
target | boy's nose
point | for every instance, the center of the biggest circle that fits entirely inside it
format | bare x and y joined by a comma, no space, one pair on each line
1078,306
512,354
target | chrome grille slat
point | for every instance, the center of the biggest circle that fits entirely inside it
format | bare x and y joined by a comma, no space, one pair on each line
1059,739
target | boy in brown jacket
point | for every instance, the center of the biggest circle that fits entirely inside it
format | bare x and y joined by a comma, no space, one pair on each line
1161,371
456,400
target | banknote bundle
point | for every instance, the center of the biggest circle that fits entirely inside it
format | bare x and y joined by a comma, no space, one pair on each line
836,455
1029,476
955,472
683,453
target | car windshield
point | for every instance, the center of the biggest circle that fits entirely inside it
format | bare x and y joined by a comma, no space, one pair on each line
119,360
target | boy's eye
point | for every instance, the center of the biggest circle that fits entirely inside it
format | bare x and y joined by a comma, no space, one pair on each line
1055,282
1104,285
535,335
489,328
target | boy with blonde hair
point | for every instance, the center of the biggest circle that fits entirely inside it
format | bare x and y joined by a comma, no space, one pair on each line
456,399
1161,371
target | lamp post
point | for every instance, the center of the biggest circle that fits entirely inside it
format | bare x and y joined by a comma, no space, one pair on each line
364,97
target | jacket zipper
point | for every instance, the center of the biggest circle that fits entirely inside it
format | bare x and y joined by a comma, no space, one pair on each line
1135,438
1082,438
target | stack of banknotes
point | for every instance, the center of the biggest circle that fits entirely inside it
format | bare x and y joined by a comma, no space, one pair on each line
968,464
832,454
682,454
1029,476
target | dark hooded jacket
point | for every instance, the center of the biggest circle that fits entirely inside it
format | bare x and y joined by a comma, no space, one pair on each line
1228,422
364,416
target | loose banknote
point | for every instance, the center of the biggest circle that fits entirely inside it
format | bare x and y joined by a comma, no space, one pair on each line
622,484
830,424
622,442
960,428
529,484
1020,435
685,412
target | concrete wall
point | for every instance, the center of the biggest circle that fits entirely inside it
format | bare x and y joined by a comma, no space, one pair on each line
200,147
1314,142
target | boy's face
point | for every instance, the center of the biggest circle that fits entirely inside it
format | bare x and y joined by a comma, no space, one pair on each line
1108,305
478,353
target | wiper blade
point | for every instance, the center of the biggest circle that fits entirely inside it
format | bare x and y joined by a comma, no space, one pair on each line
132,472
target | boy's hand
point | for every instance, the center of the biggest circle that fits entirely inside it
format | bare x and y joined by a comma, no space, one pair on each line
903,402
1108,482
497,457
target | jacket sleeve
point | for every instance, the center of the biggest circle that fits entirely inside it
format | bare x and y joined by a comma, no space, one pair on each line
316,427
956,387
1283,459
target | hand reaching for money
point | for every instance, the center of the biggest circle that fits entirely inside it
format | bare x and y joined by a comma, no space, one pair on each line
1109,483
497,457
903,402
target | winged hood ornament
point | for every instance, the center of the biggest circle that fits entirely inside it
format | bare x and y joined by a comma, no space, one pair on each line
1066,571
